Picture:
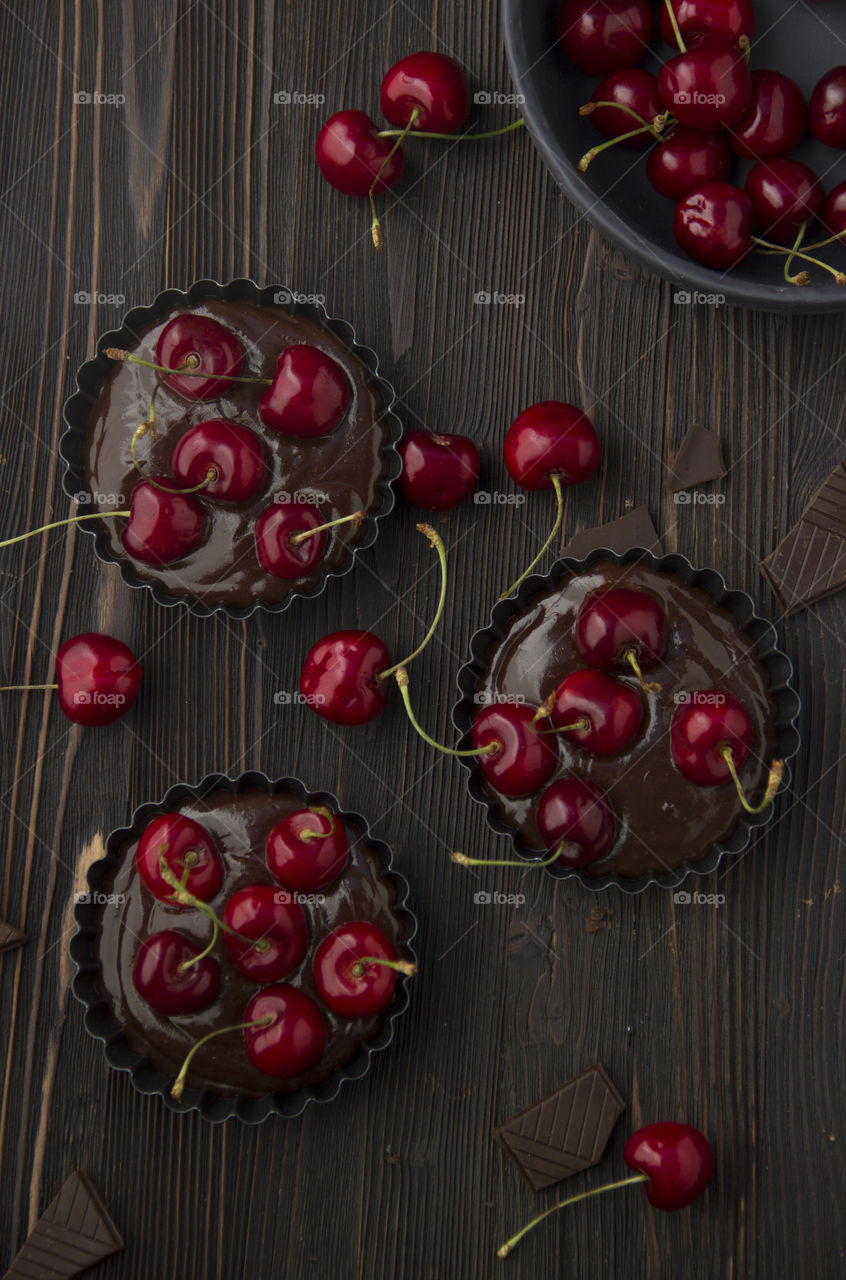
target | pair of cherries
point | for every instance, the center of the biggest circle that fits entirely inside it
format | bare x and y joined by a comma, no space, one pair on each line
97,679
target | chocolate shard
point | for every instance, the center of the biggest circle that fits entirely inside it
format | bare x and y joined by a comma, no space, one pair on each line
10,937
635,529
73,1233
810,562
565,1132
698,460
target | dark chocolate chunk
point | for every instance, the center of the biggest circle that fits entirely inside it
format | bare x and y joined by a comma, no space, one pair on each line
10,937
73,1233
698,460
635,529
565,1132
810,562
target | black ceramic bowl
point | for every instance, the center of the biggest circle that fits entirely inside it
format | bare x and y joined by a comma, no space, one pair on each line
767,651
92,373
802,39
101,1024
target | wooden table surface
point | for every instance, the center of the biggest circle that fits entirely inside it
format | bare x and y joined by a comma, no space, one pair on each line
730,1016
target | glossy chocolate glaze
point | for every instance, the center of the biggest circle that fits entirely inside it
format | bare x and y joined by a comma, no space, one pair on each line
663,820
340,471
239,823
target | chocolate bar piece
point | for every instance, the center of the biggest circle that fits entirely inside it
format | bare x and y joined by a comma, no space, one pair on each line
10,937
698,460
565,1132
73,1233
635,529
810,562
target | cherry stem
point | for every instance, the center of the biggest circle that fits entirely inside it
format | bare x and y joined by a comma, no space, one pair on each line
189,964
20,688
490,750
184,371
671,14
559,516
184,898
773,781
179,1083
648,686
591,155
802,277
504,1250
400,135
655,126
582,723
745,46
57,524
463,860
309,835
767,247
304,534
435,541
470,136
821,244
401,966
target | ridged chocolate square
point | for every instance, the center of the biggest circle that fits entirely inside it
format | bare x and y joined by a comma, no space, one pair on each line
73,1233
810,562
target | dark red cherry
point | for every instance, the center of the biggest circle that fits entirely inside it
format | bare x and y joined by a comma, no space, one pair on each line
294,1040
551,437
186,846
162,526
706,723
775,120
350,155
233,452
576,814
615,621
599,36
278,925
833,212
202,344
339,679
708,86
525,759
98,678
432,83
348,986
307,849
677,1158
614,711
729,18
309,394
277,526
784,194
685,159
633,88
438,471
713,224
827,108
163,976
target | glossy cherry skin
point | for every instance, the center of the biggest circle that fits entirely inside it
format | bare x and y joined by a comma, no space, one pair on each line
350,155
438,471
294,1041
784,194
616,619
275,528
728,18
827,108
334,964
309,395
548,437
599,36
713,224
178,838
633,88
233,452
157,978
307,850
685,159
678,1159
701,727
775,120
578,814
191,337
162,526
526,758
339,677
98,679
709,86
833,212
270,916
615,711
432,83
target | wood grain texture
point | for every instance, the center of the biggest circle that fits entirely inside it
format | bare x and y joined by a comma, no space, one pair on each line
729,1017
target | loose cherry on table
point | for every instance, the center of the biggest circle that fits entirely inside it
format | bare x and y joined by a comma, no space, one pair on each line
775,120
618,629
613,711
438,471
600,36
309,393
353,158
675,1161
429,87
827,108
708,86
291,537
784,193
355,969
97,679
685,158
231,451
275,927
713,224
711,737
174,976
732,19
190,856
308,849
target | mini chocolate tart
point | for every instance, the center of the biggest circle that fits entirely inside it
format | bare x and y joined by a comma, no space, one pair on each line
666,825
120,913
351,468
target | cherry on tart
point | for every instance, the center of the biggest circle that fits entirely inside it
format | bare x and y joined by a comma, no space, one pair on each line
600,36
189,853
827,108
288,1036
309,393
274,928
208,353
97,679
685,159
731,19
231,451
438,471
619,629
775,120
708,86
711,737
516,758
613,711
307,850
280,545
713,224
576,822
356,968
173,975
429,87
163,525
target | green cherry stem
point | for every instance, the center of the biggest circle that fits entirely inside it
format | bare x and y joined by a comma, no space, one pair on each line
656,126
470,136
400,966
207,950
435,541
767,247
401,135
179,1083
463,861
490,750
320,809
184,371
591,155
22,688
504,1250
671,14
58,524
357,517
183,898
559,516
582,723
648,686
773,782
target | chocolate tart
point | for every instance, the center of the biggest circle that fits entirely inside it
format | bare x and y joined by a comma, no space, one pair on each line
352,468
120,912
667,827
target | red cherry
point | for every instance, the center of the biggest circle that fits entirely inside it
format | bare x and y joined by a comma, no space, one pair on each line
203,344
702,727
438,471
294,1041
713,224
185,846
632,88
162,526
599,36
309,394
827,109
708,86
551,437
340,677
784,194
576,815
729,18
833,212
278,925
307,850
775,120
432,83
165,978
346,984
277,526
614,711
98,678
685,159
677,1158
616,622
233,452
525,759
350,155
